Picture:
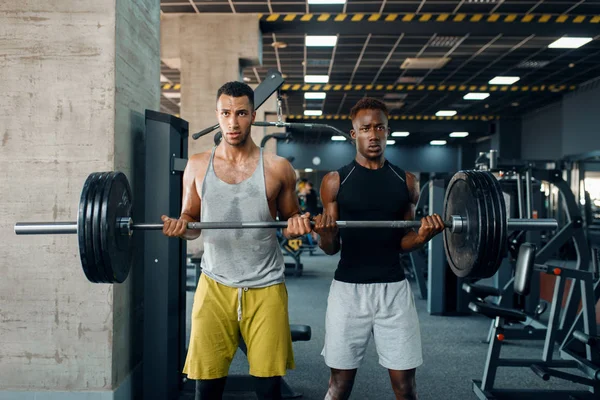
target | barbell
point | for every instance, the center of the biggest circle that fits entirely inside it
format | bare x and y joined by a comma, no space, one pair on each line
474,213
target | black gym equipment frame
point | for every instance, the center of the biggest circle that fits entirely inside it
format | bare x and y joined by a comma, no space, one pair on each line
164,260
546,367
558,332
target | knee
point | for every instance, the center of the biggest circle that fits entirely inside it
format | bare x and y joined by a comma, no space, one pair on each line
405,389
339,389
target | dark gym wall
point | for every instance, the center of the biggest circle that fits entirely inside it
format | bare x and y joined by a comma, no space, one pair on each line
570,126
336,154
581,120
542,133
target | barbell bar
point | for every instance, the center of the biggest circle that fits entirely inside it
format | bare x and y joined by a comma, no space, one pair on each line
474,212
455,225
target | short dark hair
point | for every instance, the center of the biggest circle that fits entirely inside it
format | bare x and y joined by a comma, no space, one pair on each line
237,89
368,103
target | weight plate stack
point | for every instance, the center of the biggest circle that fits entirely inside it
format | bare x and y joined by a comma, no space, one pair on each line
117,249
465,251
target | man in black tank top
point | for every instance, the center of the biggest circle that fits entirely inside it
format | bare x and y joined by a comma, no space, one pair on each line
369,294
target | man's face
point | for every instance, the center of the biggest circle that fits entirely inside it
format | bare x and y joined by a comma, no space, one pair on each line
370,131
235,115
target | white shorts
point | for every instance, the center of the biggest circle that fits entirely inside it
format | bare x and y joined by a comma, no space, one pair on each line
386,311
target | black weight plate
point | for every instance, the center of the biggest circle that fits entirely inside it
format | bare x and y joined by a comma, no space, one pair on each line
463,250
85,250
490,262
117,248
487,222
89,235
96,232
501,238
504,220
108,271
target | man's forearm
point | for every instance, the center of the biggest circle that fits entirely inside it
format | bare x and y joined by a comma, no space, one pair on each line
330,244
411,242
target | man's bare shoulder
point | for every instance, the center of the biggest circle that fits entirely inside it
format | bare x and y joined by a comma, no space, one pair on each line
332,177
200,160
413,186
273,160
330,185
277,165
410,178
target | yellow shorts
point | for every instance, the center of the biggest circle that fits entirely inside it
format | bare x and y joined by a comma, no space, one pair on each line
216,329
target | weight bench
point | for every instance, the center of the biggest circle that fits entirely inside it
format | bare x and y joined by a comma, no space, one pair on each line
244,383
545,366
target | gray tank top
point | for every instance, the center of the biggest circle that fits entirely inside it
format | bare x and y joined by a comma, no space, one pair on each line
239,257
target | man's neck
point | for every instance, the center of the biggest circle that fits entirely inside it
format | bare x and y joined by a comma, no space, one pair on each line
238,154
370,163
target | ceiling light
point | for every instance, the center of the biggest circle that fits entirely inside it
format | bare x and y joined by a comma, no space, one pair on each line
394,96
316,78
533,64
390,141
400,134
315,113
569,42
504,80
476,96
515,104
247,79
445,41
338,138
326,1
322,41
314,95
410,79
279,45
445,113
308,170
459,134
172,95
438,143
425,63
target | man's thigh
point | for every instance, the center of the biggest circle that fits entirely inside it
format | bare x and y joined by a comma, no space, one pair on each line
396,328
265,328
215,331
348,325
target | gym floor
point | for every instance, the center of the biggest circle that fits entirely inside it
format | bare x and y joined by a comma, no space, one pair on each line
452,348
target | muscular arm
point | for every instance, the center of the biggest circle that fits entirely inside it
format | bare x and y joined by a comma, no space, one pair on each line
329,240
287,201
411,240
191,202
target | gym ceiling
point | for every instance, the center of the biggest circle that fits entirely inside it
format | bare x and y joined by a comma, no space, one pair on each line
419,56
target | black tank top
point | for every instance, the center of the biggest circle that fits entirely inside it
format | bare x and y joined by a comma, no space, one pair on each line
371,255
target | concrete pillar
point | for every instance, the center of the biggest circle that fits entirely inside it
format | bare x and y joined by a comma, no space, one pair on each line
209,50
76,80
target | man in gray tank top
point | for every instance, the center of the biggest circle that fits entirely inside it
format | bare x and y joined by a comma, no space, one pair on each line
241,291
